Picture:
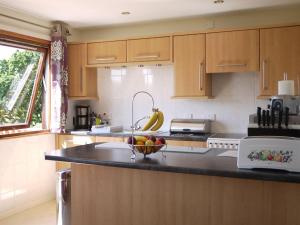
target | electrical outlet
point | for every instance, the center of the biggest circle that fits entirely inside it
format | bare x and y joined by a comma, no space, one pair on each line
211,117
188,116
201,116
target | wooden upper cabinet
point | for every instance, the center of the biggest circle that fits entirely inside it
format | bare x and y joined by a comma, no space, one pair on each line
106,52
189,64
232,51
149,49
75,70
279,53
82,82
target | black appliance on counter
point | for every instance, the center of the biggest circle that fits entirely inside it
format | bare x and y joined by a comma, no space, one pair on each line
280,118
81,120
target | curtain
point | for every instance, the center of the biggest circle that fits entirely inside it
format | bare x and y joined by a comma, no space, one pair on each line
59,71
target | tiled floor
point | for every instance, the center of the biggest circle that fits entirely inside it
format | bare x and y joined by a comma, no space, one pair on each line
41,215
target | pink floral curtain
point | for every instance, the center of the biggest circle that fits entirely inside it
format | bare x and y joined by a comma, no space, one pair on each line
59,70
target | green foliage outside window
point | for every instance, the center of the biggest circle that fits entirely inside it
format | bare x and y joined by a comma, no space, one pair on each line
12,70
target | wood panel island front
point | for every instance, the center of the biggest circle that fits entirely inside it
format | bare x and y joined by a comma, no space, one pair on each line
181,189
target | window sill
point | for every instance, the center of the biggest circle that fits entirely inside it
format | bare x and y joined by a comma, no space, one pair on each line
22,132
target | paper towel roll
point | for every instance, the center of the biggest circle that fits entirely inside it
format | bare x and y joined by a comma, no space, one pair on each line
286,87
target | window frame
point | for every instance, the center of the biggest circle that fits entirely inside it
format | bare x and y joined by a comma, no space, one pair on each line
42,46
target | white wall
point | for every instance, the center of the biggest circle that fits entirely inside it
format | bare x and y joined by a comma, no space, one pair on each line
248,18
235,97
26,178
21,27
16,26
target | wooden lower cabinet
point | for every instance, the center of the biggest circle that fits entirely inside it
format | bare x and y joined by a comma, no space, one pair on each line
200,144
109,139
68,141
120,196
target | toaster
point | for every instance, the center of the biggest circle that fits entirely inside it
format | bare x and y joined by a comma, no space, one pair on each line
263,152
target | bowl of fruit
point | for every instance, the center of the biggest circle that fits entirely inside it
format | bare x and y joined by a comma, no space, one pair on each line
146,144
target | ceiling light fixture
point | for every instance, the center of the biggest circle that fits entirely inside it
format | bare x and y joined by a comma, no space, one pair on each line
125,13
218,1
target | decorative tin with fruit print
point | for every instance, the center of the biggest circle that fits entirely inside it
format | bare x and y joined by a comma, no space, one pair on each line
281,153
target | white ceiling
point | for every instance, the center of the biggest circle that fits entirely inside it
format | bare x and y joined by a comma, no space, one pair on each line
88,13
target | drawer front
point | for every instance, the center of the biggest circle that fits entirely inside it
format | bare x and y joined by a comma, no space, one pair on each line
109,139
234,51
106,52
149,49
198,144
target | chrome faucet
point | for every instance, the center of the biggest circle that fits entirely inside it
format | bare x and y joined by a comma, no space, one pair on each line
136,124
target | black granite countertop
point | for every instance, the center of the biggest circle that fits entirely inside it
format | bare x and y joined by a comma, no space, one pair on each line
203,164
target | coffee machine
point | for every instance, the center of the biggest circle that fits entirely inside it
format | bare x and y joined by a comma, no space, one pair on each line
280,118
81,119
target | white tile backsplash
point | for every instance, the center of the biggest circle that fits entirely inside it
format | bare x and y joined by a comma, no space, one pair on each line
26,178
235,97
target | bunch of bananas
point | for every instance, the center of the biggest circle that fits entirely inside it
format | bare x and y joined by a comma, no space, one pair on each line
155,122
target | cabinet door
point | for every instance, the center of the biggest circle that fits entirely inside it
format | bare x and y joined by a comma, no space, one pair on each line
82,80
279,53
232,51
75,70
149,49
106,52
189,64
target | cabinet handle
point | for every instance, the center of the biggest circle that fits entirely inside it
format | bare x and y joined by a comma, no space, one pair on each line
146,56
264,83
106,58
81,80
224,65
200,74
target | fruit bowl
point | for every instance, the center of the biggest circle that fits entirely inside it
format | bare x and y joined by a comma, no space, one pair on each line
147,150
146,145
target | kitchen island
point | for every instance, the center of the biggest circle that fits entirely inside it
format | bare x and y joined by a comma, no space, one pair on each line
181,188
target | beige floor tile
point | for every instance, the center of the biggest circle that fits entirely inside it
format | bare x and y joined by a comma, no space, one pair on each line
44,214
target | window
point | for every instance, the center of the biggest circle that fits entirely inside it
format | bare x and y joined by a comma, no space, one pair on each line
21,84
